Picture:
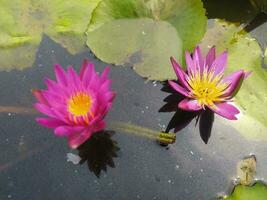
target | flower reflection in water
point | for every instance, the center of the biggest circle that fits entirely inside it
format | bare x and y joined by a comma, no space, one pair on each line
98,152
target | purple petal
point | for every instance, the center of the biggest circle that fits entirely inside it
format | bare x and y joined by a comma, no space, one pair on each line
226,110
189,63
210,56
247,74
198,59
68,130
189,105
60,75
235,80
179,89
49,122
219,63
181,75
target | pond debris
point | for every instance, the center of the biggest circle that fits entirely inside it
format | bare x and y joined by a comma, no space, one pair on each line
246,170
246,187
75,159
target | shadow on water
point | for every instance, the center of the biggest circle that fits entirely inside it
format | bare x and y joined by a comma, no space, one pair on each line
98,152
182,118
252,13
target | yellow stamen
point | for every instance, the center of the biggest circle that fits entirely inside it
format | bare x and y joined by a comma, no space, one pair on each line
79,104
207,88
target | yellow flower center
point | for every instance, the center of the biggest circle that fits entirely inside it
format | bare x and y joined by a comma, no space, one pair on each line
79,104
207,88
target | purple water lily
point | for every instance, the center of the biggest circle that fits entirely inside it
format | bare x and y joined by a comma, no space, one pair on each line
204,86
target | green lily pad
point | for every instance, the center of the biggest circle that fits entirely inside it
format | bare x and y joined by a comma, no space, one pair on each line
186,16
265,57
244,53
256,192
23,23
70,20
18,39
139,42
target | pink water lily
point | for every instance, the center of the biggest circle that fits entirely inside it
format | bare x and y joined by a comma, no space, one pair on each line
75,104
204,85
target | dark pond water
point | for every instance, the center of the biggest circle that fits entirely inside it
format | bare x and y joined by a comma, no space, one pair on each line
34,163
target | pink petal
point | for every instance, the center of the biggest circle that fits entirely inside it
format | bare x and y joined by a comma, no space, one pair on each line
44,109
219,63
104,75
181,75
210,56
84,68
75,140
179,89
54,98
226,110
73,78
49,122
39,96
110,96
54,87
60,75
235,80
189,105
105,87
99,126
88,75
68,130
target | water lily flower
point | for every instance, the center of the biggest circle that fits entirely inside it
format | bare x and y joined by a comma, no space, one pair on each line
75,104
204,85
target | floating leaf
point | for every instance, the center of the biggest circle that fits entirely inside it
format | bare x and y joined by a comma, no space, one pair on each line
265,57
256,192
23,23
70,20
244,53
186,18
19,39
137,41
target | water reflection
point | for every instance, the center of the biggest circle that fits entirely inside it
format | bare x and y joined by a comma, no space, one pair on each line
181,118
98,152
251,12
